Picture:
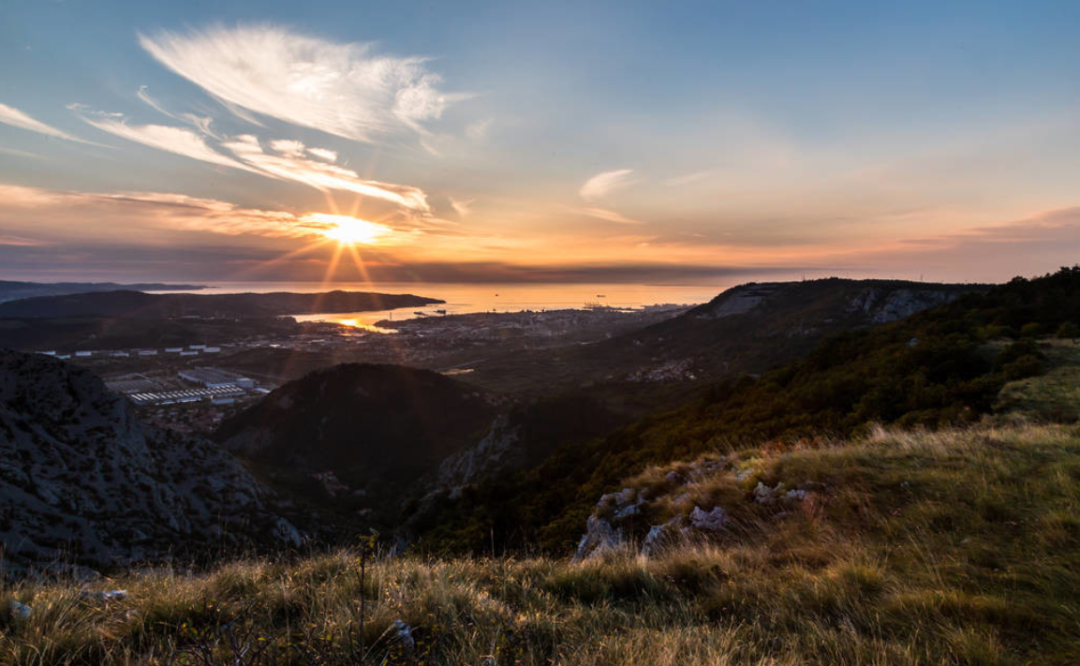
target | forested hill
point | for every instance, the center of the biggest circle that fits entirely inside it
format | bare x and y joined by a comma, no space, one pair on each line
138,305
746,329
940,366
11,290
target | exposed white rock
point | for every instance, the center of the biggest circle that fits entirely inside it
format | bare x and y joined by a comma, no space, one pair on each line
403,633
20,611
764,494
105,595
684,497
489,456
599,538
738,300
713,521
661,536
287,533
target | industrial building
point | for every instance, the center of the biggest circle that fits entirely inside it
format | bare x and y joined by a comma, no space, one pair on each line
215,377
219,395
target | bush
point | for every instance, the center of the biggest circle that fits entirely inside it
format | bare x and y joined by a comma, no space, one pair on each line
1068,331
1022,368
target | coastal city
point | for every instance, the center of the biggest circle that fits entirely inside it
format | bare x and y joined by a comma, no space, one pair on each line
194,387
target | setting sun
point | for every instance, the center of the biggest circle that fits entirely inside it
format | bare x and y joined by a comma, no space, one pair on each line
350,230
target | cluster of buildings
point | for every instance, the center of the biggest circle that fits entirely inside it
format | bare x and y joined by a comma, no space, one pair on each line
190,350
218,386
218,396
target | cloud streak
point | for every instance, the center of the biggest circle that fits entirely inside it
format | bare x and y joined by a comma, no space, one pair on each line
462,208
342,89
201,123
161,210
609,215
171,139
290,160
9,115
602,184
290,164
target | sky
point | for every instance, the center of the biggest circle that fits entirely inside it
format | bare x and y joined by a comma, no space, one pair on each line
644,142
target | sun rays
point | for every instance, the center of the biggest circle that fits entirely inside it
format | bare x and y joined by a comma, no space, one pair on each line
347,230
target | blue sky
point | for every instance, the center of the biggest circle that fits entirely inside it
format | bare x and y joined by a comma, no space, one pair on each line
524,141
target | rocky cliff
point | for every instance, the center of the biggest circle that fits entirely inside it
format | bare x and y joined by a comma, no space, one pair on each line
83,483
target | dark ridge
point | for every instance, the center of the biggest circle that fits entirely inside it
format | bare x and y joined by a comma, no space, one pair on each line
138,305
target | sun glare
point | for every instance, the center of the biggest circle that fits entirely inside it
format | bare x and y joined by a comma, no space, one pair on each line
350,230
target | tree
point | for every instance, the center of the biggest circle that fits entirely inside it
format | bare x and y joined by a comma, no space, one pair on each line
1068,331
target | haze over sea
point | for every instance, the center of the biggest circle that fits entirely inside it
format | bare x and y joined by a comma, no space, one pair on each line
487,297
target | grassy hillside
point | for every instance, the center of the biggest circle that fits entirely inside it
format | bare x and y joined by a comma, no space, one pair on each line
941,367
747,329
958,547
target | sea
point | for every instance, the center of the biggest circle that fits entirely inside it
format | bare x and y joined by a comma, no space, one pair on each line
473,297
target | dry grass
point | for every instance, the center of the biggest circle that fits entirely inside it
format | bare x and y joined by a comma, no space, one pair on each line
959,547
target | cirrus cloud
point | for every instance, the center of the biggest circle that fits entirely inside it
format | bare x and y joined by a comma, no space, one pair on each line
291,164
9,115
602,184
342,89
163,137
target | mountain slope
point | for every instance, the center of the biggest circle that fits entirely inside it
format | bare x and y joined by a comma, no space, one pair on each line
356,436
747,329
82,479
938,367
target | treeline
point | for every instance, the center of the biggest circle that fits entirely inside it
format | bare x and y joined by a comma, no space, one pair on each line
940,367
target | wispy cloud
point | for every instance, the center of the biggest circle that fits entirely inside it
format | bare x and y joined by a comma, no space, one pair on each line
163,137
342,89
463,208
9,115
289,160
201,123
20,241
602,184
609,215
290,164
324,154
690,178
19,153
479,129
142,209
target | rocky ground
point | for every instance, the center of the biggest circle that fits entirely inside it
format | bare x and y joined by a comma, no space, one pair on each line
84,484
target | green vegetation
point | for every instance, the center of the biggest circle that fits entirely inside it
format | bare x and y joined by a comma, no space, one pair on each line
1053,396
939,368
955,547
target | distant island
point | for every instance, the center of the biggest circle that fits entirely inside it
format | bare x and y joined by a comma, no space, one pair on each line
129,304
11,290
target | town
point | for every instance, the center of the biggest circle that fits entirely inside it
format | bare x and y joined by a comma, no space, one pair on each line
192,388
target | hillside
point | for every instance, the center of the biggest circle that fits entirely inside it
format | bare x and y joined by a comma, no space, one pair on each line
139,305
774,521
11,290
83,483
745,330
95,333
936,368
907,549
355,437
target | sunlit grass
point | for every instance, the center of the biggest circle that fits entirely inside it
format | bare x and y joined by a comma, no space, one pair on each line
957,547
